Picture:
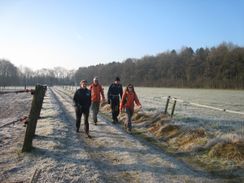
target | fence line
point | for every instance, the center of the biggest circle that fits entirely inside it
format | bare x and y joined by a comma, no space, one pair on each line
22,119
204,106
18,91
37,101
169,99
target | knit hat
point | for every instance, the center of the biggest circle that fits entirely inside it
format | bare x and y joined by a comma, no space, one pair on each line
117,79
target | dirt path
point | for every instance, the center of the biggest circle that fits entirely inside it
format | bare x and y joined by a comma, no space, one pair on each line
112,155
122,157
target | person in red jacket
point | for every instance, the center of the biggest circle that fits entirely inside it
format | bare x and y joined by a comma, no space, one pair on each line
128,99
96,93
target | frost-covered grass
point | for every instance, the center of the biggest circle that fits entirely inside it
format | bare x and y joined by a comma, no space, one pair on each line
112,155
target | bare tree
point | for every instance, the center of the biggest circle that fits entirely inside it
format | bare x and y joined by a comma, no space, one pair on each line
8,73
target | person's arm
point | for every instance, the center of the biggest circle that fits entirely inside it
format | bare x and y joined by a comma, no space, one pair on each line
122,103
108,94
102,93
121,91
89,100
137,100
75,98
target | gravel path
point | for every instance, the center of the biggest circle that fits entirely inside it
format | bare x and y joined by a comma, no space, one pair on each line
112,155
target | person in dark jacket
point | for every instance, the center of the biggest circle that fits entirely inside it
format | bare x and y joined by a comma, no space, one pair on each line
82,101
115,92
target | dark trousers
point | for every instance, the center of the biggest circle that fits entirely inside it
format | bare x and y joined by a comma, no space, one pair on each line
115,109
79,113
129,113
95,110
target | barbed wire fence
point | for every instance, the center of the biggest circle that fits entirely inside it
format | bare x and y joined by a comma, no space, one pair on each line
18,91
195,114
13,90
30,120
23,119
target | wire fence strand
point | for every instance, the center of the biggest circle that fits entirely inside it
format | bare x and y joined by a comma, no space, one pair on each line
18,91
22,119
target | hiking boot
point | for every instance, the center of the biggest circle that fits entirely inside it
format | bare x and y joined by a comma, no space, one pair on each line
77,130
88,135
129,130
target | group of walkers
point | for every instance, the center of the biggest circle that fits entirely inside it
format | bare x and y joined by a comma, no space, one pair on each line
91,97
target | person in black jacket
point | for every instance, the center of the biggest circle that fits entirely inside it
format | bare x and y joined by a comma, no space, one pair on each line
115,92
82,101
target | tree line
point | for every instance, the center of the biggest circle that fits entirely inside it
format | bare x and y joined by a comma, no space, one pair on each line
216,67
10,75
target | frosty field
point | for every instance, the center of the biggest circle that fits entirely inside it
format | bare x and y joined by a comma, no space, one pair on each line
225,99
113,155
154,99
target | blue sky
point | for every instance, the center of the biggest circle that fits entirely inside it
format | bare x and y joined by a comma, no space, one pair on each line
75,33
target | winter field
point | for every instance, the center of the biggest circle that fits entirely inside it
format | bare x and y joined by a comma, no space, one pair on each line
112,155
155,99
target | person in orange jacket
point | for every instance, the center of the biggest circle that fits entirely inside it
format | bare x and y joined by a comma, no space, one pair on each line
96,92
127,102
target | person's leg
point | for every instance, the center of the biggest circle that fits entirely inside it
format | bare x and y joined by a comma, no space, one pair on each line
116,111
94,111
78,118
113,110
127,118
129,113
86,126
98,107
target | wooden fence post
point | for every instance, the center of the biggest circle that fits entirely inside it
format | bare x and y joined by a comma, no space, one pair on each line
44,89
33,116
167,104
173,109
